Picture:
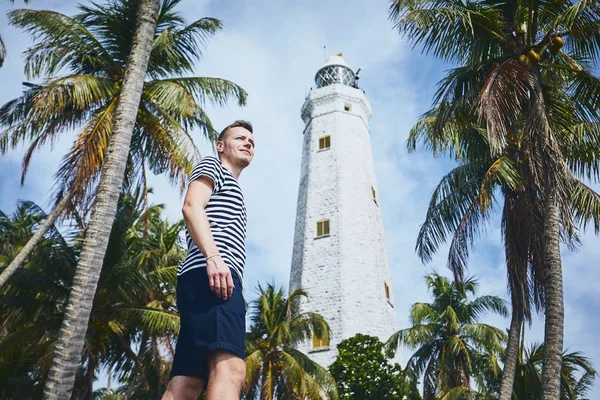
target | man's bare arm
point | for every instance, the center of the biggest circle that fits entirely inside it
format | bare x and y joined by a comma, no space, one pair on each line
196,220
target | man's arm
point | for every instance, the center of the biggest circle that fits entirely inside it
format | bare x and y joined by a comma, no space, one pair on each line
196,220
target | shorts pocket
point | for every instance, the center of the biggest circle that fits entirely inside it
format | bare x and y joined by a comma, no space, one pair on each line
206,327
232,329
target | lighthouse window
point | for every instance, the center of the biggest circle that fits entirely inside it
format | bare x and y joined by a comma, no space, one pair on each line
347,107
374,193
323,228
319,343
387,290
324,142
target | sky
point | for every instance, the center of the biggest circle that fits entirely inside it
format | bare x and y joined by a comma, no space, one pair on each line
273,50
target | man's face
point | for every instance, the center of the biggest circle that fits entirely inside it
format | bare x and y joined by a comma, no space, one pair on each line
237,146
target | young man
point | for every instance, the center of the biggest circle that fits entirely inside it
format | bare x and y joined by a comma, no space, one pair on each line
210,349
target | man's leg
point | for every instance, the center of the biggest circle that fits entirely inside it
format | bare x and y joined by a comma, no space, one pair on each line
226,377
184,388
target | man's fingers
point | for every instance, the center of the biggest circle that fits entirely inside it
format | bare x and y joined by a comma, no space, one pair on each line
211,282
224,287
229,285
216,285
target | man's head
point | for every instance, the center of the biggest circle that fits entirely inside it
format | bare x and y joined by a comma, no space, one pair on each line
236,144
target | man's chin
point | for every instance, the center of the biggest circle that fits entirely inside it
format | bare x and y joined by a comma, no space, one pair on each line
244,162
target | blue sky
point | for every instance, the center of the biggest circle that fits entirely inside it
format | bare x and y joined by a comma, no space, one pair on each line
273,49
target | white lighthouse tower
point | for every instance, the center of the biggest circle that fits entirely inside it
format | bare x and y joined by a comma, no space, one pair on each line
339,254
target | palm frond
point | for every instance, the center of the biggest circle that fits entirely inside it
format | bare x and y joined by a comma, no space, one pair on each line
254,361
501,100
485,336
579,145
324,380
569,16
447,28
176,48
466,233
421,313
443,132
153,321
215,90
583,34
166,148
449,203
461,393
81,166
485,304
62,42
586,206
584,89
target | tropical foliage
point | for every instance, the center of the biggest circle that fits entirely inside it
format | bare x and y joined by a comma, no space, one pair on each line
519,112
576,377
91,50
275,369
453,350
133,307
127,93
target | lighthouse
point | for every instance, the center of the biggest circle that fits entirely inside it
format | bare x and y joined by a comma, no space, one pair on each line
339,253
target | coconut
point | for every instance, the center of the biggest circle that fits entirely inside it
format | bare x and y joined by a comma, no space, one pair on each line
559,41
533,55
524,60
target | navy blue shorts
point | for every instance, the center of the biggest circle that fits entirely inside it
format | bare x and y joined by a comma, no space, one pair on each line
207,323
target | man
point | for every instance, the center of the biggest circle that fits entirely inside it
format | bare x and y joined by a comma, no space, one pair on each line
210,349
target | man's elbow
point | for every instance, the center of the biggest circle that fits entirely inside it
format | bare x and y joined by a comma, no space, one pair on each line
186,209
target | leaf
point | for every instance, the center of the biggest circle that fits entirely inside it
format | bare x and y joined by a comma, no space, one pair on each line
586,206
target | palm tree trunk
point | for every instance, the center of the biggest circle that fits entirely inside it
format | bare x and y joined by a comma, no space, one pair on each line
34,240
267,391
553,332
59,384
109,380
512,354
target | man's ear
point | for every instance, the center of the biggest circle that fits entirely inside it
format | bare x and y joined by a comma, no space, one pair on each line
220,146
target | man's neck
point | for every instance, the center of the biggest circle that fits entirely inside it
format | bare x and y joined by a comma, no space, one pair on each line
235,171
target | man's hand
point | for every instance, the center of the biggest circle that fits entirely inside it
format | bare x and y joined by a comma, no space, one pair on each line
219,278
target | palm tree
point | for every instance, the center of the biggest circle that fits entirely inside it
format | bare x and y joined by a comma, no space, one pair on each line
133,306
465,198
464,201
275,368
532,95
93,48
576,377
61,377
448,340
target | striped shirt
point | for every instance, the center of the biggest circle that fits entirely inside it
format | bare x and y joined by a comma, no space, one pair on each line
226,213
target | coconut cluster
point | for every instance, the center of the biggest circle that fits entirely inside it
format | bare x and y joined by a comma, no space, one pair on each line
533,56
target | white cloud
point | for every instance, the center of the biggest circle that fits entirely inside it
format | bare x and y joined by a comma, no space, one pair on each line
273,50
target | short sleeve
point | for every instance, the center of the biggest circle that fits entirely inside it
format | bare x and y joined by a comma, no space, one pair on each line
211,168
